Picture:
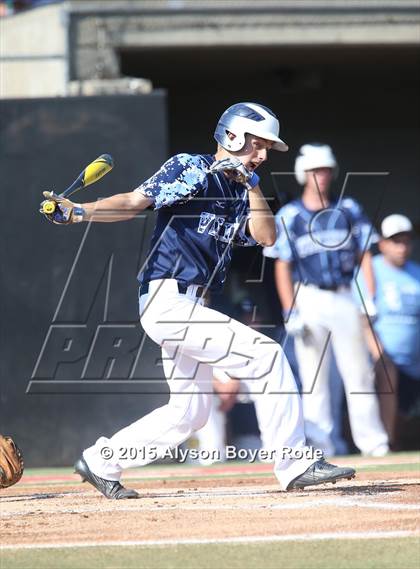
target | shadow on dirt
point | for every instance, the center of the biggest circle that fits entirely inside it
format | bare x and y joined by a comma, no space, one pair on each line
27,497
366,490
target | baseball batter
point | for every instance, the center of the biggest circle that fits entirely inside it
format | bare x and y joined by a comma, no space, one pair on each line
320,243
205,204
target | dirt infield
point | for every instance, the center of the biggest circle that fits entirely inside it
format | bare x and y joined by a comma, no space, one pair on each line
180,503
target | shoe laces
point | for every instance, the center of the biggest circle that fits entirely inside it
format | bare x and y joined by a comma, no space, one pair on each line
324,465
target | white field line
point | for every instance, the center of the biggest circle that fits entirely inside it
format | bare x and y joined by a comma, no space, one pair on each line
138,507
229,540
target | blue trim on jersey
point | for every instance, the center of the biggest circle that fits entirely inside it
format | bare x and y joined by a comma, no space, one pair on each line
200,217
324,246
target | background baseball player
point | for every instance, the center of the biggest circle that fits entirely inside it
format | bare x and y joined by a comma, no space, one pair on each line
200,216
320,244
396,349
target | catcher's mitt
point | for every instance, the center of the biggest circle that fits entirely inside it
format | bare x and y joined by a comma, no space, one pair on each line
11,462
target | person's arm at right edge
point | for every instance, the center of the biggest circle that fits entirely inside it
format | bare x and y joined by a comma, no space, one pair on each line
284,284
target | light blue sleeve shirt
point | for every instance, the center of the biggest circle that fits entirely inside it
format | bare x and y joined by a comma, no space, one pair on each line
398,304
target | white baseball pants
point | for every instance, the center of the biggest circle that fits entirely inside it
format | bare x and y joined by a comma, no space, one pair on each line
194,339
334,318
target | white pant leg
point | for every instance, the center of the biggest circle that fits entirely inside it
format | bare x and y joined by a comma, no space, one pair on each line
313,355
164,428
352,359
186,328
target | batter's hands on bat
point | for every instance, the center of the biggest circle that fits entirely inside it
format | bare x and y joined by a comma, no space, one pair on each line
59,210
235,170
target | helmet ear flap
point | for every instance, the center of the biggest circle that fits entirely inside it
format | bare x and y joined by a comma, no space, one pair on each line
236,142
232,141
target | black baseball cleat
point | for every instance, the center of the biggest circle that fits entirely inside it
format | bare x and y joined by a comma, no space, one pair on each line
321,472
109,488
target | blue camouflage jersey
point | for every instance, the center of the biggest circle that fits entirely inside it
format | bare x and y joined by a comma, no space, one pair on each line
200,217
324,246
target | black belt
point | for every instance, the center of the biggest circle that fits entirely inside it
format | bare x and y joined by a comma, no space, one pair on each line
332,287
182,289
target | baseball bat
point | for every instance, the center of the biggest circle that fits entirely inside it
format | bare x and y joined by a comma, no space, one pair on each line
91,174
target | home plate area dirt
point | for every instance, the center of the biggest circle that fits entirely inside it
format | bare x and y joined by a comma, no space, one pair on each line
225,501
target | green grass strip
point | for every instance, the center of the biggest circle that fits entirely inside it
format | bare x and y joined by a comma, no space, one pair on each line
407,467
401,553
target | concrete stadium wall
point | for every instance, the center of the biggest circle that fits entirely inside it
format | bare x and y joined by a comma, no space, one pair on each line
80,40
34,53
69,294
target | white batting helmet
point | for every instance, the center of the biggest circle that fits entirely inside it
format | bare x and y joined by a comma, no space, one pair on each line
250,118
314,155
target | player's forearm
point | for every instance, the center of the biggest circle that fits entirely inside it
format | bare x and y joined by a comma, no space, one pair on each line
262,225
284,284
368,273
119,207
